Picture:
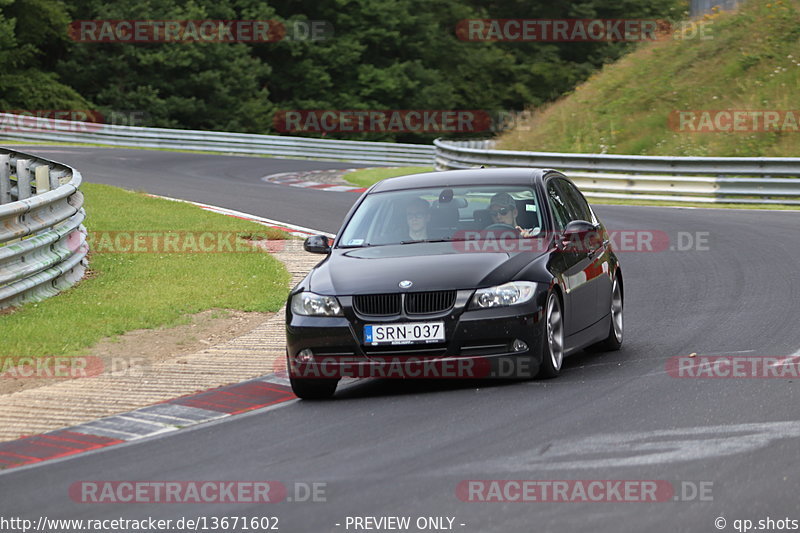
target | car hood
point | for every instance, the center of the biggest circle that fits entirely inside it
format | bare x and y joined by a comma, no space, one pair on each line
429,266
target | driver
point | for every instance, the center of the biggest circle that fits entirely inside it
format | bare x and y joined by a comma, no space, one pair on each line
503,210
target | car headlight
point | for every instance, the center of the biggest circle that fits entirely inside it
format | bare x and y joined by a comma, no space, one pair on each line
512,293
310,304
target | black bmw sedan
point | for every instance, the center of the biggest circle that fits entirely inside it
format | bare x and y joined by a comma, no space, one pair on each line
464,273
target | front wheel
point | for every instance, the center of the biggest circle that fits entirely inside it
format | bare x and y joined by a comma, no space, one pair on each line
553,355
312,388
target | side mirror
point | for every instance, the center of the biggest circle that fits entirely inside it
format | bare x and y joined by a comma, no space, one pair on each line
580,236
317,244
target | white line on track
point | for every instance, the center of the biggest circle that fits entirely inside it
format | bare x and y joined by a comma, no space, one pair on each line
645,448
300,231
729,352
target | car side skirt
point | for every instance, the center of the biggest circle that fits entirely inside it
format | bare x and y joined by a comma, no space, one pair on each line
588,336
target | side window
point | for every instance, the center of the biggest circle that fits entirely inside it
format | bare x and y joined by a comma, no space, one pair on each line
576,204
557,205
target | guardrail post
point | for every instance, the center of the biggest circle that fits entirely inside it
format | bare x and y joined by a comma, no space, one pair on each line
5,179
55,181
42,174
23,179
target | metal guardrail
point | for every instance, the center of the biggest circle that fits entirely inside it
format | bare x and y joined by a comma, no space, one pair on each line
701,7
30,128
42,239
743,180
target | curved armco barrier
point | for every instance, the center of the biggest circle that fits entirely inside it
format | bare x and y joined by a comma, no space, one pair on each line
742,180
42,239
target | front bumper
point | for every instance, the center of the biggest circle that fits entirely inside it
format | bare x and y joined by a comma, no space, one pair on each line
478,344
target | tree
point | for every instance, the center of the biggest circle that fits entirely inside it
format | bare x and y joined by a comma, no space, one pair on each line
31,32
197,85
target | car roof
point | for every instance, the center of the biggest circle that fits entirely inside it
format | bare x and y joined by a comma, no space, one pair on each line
452,178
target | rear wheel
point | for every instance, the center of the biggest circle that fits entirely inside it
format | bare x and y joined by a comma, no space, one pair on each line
613,342
312,388
553,355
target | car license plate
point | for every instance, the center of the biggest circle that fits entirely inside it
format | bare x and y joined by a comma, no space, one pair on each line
409,333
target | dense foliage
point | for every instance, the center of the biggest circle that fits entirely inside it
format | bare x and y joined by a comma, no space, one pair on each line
382,54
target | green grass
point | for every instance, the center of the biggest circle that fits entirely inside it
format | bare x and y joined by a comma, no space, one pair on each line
366,177
128,291
750,62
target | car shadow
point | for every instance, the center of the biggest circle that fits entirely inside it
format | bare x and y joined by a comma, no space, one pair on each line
381,387
371,388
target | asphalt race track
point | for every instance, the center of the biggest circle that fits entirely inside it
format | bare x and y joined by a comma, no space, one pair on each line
389,448
225,181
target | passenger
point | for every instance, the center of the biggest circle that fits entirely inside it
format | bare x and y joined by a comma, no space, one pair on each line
418,216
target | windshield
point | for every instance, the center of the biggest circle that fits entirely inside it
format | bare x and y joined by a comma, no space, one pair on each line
443,214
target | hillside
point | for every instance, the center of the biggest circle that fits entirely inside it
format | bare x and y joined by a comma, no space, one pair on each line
749,62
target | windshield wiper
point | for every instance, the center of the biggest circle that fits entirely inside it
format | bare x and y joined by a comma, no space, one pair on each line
427,240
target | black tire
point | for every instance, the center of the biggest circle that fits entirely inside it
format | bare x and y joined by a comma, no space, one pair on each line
313,389
553,341
613,341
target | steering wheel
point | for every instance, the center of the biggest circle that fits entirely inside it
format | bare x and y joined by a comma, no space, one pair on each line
500,227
